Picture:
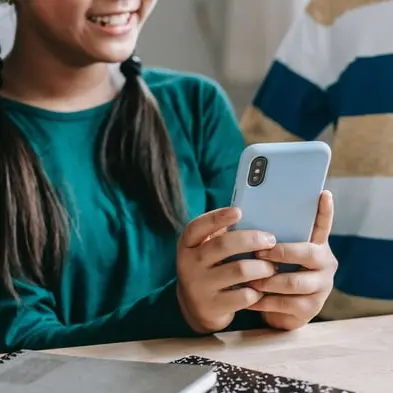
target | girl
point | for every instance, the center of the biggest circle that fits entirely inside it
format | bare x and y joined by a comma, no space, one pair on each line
99,181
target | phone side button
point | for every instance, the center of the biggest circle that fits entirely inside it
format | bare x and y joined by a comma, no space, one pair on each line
234,196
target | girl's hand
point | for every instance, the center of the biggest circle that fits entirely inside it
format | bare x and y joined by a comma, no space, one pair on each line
293,299
205,299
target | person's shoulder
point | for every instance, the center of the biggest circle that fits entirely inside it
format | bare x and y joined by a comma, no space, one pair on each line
165,76
189,100
182,82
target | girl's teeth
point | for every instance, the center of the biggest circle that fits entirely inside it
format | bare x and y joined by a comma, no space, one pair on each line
113,20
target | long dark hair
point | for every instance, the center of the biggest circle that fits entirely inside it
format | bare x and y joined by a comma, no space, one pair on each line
135,153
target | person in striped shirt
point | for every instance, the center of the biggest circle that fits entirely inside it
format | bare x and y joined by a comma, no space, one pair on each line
333,76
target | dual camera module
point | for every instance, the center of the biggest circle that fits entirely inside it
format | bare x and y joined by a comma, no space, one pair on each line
257,171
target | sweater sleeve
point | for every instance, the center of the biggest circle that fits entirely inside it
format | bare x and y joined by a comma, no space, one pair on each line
293,101
223,144
30,322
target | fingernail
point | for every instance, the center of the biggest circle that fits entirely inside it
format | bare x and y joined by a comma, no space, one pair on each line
231,213
225,213
271,239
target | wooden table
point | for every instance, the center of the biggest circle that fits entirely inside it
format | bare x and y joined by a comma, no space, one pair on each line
354,354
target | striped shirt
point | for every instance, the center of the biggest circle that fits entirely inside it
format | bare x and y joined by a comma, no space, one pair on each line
334,71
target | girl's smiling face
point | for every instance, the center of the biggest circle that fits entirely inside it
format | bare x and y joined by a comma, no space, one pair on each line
85,30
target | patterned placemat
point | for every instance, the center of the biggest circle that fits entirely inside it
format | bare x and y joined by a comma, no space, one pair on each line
233,379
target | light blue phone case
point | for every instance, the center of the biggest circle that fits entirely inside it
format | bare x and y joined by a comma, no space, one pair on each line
286,203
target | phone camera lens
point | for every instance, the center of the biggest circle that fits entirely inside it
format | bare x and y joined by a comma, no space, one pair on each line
257,171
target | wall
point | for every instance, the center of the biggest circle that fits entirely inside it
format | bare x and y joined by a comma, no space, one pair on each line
171,38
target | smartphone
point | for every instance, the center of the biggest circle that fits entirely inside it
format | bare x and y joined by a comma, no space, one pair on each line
278,187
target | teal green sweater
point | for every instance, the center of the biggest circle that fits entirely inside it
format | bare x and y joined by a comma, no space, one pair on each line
119,279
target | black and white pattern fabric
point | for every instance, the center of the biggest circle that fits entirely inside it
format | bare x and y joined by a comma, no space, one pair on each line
233,379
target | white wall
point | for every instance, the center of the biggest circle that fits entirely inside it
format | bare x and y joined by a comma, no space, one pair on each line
171,38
